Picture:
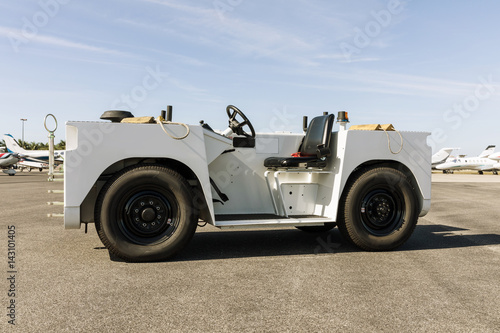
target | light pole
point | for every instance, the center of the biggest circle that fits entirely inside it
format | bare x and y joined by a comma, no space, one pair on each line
23,120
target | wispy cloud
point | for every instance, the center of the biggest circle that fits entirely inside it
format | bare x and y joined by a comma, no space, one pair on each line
383,83
341,58
154,27
17,36
186,86
416,85
238,35
241,33
185,8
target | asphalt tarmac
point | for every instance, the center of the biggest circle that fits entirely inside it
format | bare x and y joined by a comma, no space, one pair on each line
444,279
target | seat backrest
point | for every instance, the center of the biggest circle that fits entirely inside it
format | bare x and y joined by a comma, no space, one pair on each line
318,135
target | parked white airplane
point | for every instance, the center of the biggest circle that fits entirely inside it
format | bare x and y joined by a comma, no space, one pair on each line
39,156
441,156
7,161
480,163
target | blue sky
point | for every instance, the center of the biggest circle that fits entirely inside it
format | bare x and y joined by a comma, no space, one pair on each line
421,65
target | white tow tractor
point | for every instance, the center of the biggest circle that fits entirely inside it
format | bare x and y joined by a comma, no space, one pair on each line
146,183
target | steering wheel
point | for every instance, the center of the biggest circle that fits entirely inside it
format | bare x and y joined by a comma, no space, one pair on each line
235,125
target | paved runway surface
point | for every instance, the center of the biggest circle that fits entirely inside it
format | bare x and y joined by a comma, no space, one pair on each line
444,279
465,178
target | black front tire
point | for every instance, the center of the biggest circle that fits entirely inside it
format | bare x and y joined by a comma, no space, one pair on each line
379,210
145,213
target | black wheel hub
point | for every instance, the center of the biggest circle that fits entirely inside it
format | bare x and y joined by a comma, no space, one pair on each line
382,212
147,214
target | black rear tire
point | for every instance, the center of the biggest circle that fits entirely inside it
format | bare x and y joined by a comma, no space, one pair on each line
379,210
145,213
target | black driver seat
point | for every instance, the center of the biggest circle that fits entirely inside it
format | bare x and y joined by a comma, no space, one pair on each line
314,149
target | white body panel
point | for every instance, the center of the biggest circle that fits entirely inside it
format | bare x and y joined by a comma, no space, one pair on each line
357,147
240,175
94,146
303,197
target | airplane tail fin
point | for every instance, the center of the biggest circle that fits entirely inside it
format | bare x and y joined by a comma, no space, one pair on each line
489,150
12,145
442,155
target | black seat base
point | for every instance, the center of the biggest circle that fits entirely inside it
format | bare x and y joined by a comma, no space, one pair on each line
294,162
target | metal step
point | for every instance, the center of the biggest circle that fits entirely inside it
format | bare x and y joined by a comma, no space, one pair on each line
55,215
257,221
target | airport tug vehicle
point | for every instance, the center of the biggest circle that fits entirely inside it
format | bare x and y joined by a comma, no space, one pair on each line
147,183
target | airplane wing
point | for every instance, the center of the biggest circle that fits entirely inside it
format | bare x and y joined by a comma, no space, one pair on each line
35,165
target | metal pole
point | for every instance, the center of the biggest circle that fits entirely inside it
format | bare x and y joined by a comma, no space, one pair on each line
23,120
51,155
51,145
